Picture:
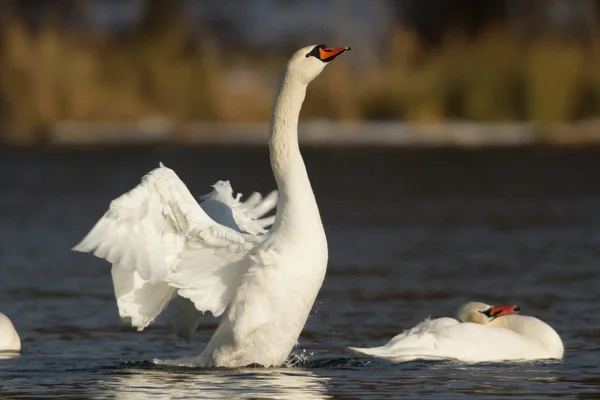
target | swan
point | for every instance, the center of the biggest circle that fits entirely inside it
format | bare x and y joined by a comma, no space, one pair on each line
484,333
9,338
163,245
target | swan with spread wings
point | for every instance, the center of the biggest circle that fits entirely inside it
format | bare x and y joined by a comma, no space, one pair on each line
217,257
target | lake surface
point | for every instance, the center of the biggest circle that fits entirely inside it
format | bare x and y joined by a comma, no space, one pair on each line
412,233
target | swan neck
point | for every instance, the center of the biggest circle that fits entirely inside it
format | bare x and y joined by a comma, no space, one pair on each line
296,195
535,330
283,139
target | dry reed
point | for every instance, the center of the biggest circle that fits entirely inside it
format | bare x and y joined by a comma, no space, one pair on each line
54,75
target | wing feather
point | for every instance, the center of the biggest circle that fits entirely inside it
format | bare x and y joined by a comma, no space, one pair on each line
225,208
163,244
139,301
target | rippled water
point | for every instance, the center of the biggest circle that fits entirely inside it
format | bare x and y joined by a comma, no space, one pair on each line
411,233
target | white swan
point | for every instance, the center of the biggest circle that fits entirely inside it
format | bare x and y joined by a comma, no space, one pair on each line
485,333
162,244
9,338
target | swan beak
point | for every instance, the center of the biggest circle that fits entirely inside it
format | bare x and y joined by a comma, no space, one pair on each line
327,54
507,309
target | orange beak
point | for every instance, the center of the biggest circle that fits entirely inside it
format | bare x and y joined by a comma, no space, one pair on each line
507,309
329,53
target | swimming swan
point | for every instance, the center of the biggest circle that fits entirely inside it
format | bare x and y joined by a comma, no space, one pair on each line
162,244
484,333
9,338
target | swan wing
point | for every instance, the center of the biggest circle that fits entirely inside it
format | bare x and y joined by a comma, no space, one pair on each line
247,216
244,217
424,335
162,244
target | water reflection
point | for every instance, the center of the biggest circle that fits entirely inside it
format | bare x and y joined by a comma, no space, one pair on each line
171,383
9,354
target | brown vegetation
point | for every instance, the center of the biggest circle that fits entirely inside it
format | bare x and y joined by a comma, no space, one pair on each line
54,75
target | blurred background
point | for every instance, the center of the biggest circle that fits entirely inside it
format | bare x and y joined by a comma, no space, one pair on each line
432,71
453,153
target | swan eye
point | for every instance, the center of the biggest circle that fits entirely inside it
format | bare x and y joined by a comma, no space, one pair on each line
315,51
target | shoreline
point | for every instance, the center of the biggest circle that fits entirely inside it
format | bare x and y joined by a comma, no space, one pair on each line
327,133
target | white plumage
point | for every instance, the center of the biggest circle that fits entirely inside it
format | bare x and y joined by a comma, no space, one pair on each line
9,338
216,256
481,333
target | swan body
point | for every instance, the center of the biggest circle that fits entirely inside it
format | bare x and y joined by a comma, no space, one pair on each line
9,338
481,333
218,256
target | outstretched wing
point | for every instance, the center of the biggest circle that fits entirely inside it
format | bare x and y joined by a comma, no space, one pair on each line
226,209
247,216
162,244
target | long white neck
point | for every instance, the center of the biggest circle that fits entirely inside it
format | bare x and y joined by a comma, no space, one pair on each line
534,330
297,207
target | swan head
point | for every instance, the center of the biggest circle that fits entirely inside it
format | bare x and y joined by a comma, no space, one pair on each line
308,62
481,313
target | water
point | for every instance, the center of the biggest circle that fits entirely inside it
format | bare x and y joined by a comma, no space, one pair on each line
411,233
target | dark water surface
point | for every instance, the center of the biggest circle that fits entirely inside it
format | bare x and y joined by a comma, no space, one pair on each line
411,233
